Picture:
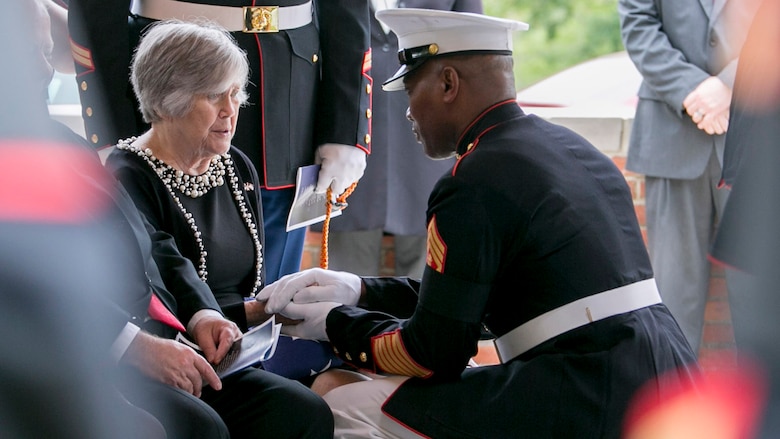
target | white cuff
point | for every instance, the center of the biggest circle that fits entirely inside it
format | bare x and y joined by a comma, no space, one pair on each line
198,316
123,341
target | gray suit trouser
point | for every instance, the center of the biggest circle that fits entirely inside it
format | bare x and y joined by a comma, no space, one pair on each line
360,252
682,216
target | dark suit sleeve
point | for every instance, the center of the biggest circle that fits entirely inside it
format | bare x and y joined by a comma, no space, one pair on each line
345,93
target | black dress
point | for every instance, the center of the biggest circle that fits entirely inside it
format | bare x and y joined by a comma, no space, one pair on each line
231,257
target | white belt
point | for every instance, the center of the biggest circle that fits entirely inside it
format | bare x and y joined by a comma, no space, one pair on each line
253,19
589,309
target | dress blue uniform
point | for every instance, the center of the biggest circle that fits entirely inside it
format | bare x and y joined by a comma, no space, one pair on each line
532,217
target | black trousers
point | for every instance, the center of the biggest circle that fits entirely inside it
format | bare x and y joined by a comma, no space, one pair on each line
253,403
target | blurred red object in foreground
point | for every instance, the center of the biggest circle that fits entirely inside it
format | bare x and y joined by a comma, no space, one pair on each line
720,404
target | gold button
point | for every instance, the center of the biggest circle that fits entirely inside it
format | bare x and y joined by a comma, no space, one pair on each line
348,357
94,138
84,85
315,58
335,350
89,111
368,88
368,113
368,138
363,357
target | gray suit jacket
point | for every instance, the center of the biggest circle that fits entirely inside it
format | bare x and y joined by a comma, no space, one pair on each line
675,45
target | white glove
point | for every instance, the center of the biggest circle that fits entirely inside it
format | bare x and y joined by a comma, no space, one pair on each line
309,286
313,315
342,165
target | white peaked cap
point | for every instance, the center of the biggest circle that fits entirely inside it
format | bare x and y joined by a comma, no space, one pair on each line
425,33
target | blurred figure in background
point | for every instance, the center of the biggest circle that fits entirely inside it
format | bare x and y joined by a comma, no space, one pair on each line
61,58
393,194
741,402
687,53
744,242
747,241
58,262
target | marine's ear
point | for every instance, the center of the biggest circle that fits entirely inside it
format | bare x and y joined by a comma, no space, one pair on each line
450,80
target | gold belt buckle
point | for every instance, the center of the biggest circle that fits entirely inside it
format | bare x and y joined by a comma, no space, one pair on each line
259,19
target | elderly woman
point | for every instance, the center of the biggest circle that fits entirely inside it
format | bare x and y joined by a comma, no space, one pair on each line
183,173
187,178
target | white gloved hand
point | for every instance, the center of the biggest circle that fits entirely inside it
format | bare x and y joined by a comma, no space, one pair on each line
310,286
341,165
313,316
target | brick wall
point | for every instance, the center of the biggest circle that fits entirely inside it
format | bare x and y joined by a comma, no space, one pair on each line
609,134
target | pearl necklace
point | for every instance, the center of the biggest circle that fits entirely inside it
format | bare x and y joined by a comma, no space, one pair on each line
196,186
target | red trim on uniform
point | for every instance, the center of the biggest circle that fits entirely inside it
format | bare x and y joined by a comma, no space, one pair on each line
49,182
274,188
363,148
390,355
476,140
457,162
723,264
436,248
261,88
396,420
476,119
82,56
367,62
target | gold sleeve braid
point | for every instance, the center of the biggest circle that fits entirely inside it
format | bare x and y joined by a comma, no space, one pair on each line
391,356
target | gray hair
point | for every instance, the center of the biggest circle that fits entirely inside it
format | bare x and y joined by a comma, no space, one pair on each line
177,61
